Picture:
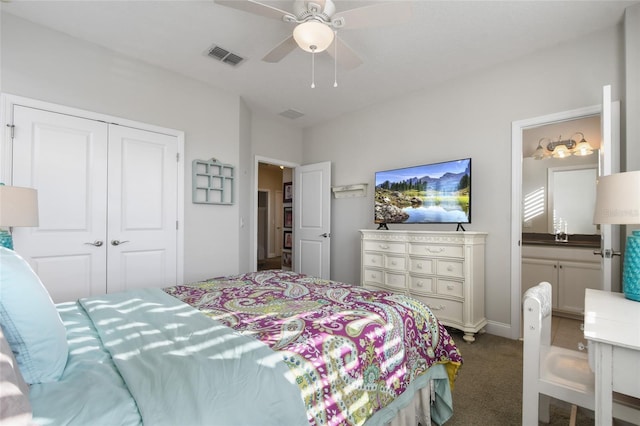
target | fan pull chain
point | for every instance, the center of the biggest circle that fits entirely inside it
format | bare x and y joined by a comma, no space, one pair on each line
335,58
313,67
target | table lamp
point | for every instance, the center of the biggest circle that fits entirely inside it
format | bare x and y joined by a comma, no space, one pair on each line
618,203
18,207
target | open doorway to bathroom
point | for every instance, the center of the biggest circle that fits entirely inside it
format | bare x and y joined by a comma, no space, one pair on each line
271,209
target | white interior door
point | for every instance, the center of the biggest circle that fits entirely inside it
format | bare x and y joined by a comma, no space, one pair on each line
609,162
312,219
142,219
65,159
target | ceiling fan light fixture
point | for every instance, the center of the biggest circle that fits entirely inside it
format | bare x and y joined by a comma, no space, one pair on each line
313,36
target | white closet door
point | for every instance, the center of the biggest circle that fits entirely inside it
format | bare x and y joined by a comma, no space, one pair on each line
65,158
108,203
142,204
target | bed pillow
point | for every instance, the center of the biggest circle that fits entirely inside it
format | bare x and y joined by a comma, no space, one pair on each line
30,321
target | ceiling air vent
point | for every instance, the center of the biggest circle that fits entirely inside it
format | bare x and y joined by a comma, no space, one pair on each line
224,55
292,114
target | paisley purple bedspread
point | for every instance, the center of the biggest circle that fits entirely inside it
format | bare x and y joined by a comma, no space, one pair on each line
351,350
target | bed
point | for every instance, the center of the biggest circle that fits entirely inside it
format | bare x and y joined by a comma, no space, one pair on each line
271,347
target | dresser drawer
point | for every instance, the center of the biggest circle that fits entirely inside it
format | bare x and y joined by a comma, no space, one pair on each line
436,250
395,281
384,279
384,246
422,266
373,259
448,311
421,284
397,263
450,268
374,276
450,288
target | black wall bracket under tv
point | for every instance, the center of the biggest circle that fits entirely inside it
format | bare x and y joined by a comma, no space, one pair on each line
383,226
460,227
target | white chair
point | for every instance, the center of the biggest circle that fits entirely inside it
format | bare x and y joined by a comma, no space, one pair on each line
551,371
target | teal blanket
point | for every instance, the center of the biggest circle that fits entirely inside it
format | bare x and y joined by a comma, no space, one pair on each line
182,367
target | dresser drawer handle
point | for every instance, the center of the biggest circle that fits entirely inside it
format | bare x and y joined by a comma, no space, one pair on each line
419,284
449,286
383,246
450,268
394,263
439,250
373,260
374,275
436,308
419,265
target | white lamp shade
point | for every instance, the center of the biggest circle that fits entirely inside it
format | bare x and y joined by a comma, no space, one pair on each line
18,206
540,153
313,36
560,151
618,199
583,148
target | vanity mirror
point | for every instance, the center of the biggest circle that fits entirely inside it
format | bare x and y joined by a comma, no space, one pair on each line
559,193
571,198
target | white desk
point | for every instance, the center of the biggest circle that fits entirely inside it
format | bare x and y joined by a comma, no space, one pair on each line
612,326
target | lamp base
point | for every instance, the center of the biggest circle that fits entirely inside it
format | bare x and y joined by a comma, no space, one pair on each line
631,270
5,239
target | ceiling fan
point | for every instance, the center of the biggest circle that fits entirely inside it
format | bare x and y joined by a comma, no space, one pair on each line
317,23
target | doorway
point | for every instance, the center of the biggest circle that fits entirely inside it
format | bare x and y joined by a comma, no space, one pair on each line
263,222
537,126
270,228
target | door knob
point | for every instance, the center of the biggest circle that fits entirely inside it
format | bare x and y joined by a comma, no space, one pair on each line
607,253
118,242
325,235
96,243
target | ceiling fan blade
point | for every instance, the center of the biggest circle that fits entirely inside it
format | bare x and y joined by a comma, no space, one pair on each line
376,15
281,50
256,8
346,57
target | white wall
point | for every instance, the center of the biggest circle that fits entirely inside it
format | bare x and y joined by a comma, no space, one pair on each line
470,117
270,138
632,71
51,66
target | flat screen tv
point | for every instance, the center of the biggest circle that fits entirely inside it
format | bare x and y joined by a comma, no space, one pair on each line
430,193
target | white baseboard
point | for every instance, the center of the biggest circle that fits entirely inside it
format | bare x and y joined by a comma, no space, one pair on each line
501,329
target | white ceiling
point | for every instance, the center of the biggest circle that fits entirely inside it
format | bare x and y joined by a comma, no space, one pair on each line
442,41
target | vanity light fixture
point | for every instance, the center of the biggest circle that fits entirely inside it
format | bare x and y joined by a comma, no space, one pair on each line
562,148
583,147
540,152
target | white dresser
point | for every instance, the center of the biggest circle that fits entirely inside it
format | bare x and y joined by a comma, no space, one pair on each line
445,270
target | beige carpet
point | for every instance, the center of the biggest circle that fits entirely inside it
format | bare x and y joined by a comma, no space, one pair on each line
488,390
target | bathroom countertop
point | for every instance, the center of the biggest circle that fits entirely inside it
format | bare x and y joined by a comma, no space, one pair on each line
574,241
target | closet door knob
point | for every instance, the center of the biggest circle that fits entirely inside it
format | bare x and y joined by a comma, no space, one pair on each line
96,243
118,242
